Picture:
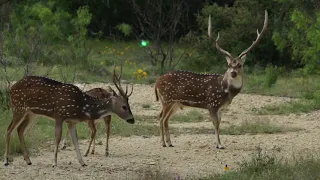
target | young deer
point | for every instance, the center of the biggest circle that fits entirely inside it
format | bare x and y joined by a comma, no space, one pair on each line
35,96
99,93
208,91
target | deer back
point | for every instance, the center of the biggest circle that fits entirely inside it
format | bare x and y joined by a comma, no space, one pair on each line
54,99
193,89
101,93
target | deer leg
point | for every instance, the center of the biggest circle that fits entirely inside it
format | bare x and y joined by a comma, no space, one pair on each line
73,133
16,121
22,128
166,123
65,138
216,119
94,138
107,121
162,130
93,133
58,132
163,115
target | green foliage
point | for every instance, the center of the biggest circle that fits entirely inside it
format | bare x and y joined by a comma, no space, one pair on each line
43,33
271,74
126,29
4,98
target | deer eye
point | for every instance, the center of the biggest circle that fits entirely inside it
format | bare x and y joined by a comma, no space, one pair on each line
239,66
124,108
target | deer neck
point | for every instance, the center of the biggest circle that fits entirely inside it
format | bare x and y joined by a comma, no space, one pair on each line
232,86
96,108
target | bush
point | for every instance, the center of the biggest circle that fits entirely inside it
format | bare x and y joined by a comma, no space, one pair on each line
4,98
271,76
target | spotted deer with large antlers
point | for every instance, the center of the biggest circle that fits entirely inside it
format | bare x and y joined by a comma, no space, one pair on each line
35,96
92,124
207,91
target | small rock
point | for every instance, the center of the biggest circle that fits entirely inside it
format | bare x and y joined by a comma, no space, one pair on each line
152,163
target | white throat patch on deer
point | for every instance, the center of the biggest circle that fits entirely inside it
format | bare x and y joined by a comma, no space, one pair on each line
208,91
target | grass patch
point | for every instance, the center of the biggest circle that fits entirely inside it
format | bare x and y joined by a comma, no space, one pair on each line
292,84
258,127
146,106
263,166
191,116
302,106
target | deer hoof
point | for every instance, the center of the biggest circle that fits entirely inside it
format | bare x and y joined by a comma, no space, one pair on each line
171,145
6,164
220,146
83,165
29,163
64,148
107,154
164,145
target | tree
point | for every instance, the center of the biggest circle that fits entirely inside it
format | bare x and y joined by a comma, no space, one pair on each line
158,22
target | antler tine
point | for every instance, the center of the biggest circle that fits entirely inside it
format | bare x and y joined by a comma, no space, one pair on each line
117,80
217,45
131,91
259,35
222,50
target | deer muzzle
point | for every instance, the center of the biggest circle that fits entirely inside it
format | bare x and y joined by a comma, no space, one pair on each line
233,74
131,121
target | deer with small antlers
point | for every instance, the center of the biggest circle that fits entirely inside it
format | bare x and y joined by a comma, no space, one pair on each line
35,96
100,93
207,91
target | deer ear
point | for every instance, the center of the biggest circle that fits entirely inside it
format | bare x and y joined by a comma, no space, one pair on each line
243,58
228,59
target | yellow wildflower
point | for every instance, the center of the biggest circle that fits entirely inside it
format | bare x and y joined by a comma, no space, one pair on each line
140,70
144,74
101,62
121,53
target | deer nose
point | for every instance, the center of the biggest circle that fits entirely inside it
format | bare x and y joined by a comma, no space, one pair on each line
131,121
233,74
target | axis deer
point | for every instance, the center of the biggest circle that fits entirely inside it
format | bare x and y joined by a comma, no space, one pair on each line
35,96
208,91
99,93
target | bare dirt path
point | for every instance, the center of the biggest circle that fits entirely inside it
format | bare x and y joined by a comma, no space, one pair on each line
193,156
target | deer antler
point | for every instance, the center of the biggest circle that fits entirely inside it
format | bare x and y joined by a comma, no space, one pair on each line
216,43
117,83
259,35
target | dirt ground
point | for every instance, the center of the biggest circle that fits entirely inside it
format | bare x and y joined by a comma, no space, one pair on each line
193,156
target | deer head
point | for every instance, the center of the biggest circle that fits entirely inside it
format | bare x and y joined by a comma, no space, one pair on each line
235,64
121,102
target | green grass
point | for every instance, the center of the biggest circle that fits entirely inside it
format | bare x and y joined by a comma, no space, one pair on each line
290,84
264,167
296,107
191,116
258,127
146,106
